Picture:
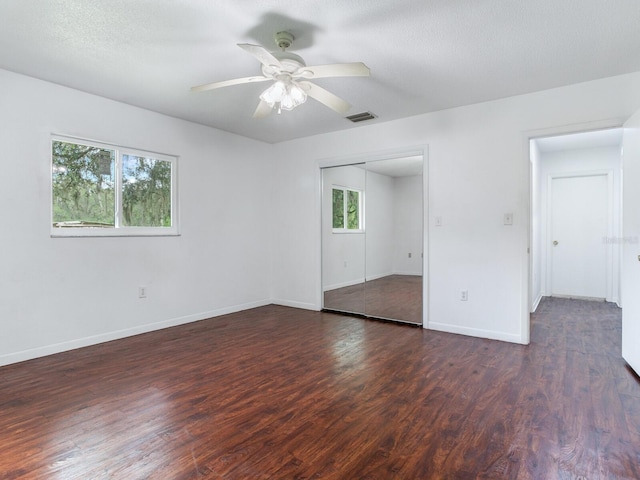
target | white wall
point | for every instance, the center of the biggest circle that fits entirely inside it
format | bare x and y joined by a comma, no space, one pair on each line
582,162
380,208
61,293
478,171
630,278
407,223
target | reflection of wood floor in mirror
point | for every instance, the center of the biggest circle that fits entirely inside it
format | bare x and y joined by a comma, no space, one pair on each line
397,297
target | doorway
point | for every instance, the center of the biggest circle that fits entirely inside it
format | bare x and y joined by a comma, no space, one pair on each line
576,207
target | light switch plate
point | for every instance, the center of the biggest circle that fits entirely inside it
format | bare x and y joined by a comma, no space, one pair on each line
508,218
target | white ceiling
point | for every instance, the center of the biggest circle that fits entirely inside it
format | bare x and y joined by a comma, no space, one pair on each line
424,55
397,167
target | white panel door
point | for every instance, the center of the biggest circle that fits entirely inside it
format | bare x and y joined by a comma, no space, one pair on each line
579,225
630,274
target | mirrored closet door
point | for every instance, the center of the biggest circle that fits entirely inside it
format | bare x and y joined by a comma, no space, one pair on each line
372,239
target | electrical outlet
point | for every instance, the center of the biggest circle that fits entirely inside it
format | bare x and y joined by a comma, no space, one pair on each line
508,218
409,254
438,221
464,295
142,291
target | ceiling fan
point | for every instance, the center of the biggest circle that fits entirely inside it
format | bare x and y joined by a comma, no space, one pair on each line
290,76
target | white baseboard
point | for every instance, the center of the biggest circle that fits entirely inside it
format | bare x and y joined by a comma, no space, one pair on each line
349,283
290,303
475,332
537,301
376,276
413,274
118,334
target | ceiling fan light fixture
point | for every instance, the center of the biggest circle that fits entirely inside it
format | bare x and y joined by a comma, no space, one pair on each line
275,93
284,95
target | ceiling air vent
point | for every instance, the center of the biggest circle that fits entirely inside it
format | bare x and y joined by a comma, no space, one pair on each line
361,117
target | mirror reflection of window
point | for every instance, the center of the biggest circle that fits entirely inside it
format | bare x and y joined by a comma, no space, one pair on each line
347,209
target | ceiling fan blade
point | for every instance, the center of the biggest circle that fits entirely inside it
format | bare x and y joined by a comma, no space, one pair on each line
325,97
263,110
227,83
356,69
262,54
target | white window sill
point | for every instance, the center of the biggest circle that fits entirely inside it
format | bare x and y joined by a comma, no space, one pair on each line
114,232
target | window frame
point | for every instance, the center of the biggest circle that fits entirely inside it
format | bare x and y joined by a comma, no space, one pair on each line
118,230
345,196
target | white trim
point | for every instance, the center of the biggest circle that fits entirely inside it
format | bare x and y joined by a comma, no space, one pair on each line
536,302
573,128
349,283
477,332
426,225
371,278
319,294
90,232
124,333
294,304
360,158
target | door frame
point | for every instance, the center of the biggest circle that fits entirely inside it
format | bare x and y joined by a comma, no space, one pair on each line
547,252
365,157
527,305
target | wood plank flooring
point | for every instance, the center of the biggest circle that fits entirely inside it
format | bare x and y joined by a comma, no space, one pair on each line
396,297
281,393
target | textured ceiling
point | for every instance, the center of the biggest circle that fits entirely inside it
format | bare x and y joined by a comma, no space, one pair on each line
424,55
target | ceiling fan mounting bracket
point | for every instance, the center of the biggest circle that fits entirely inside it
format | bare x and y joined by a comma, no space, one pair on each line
284,40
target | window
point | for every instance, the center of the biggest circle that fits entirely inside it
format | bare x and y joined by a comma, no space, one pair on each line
347,210
104,190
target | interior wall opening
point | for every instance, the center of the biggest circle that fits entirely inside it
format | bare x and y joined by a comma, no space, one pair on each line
576,213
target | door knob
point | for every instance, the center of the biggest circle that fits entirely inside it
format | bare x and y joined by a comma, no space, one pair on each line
555,242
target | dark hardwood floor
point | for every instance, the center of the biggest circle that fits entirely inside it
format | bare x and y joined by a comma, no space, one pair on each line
282,393
396,297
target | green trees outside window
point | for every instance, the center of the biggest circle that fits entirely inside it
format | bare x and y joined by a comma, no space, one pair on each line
99,187
347,214
146,192
83,185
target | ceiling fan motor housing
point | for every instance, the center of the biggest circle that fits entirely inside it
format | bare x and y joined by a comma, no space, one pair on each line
284,40
290,63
